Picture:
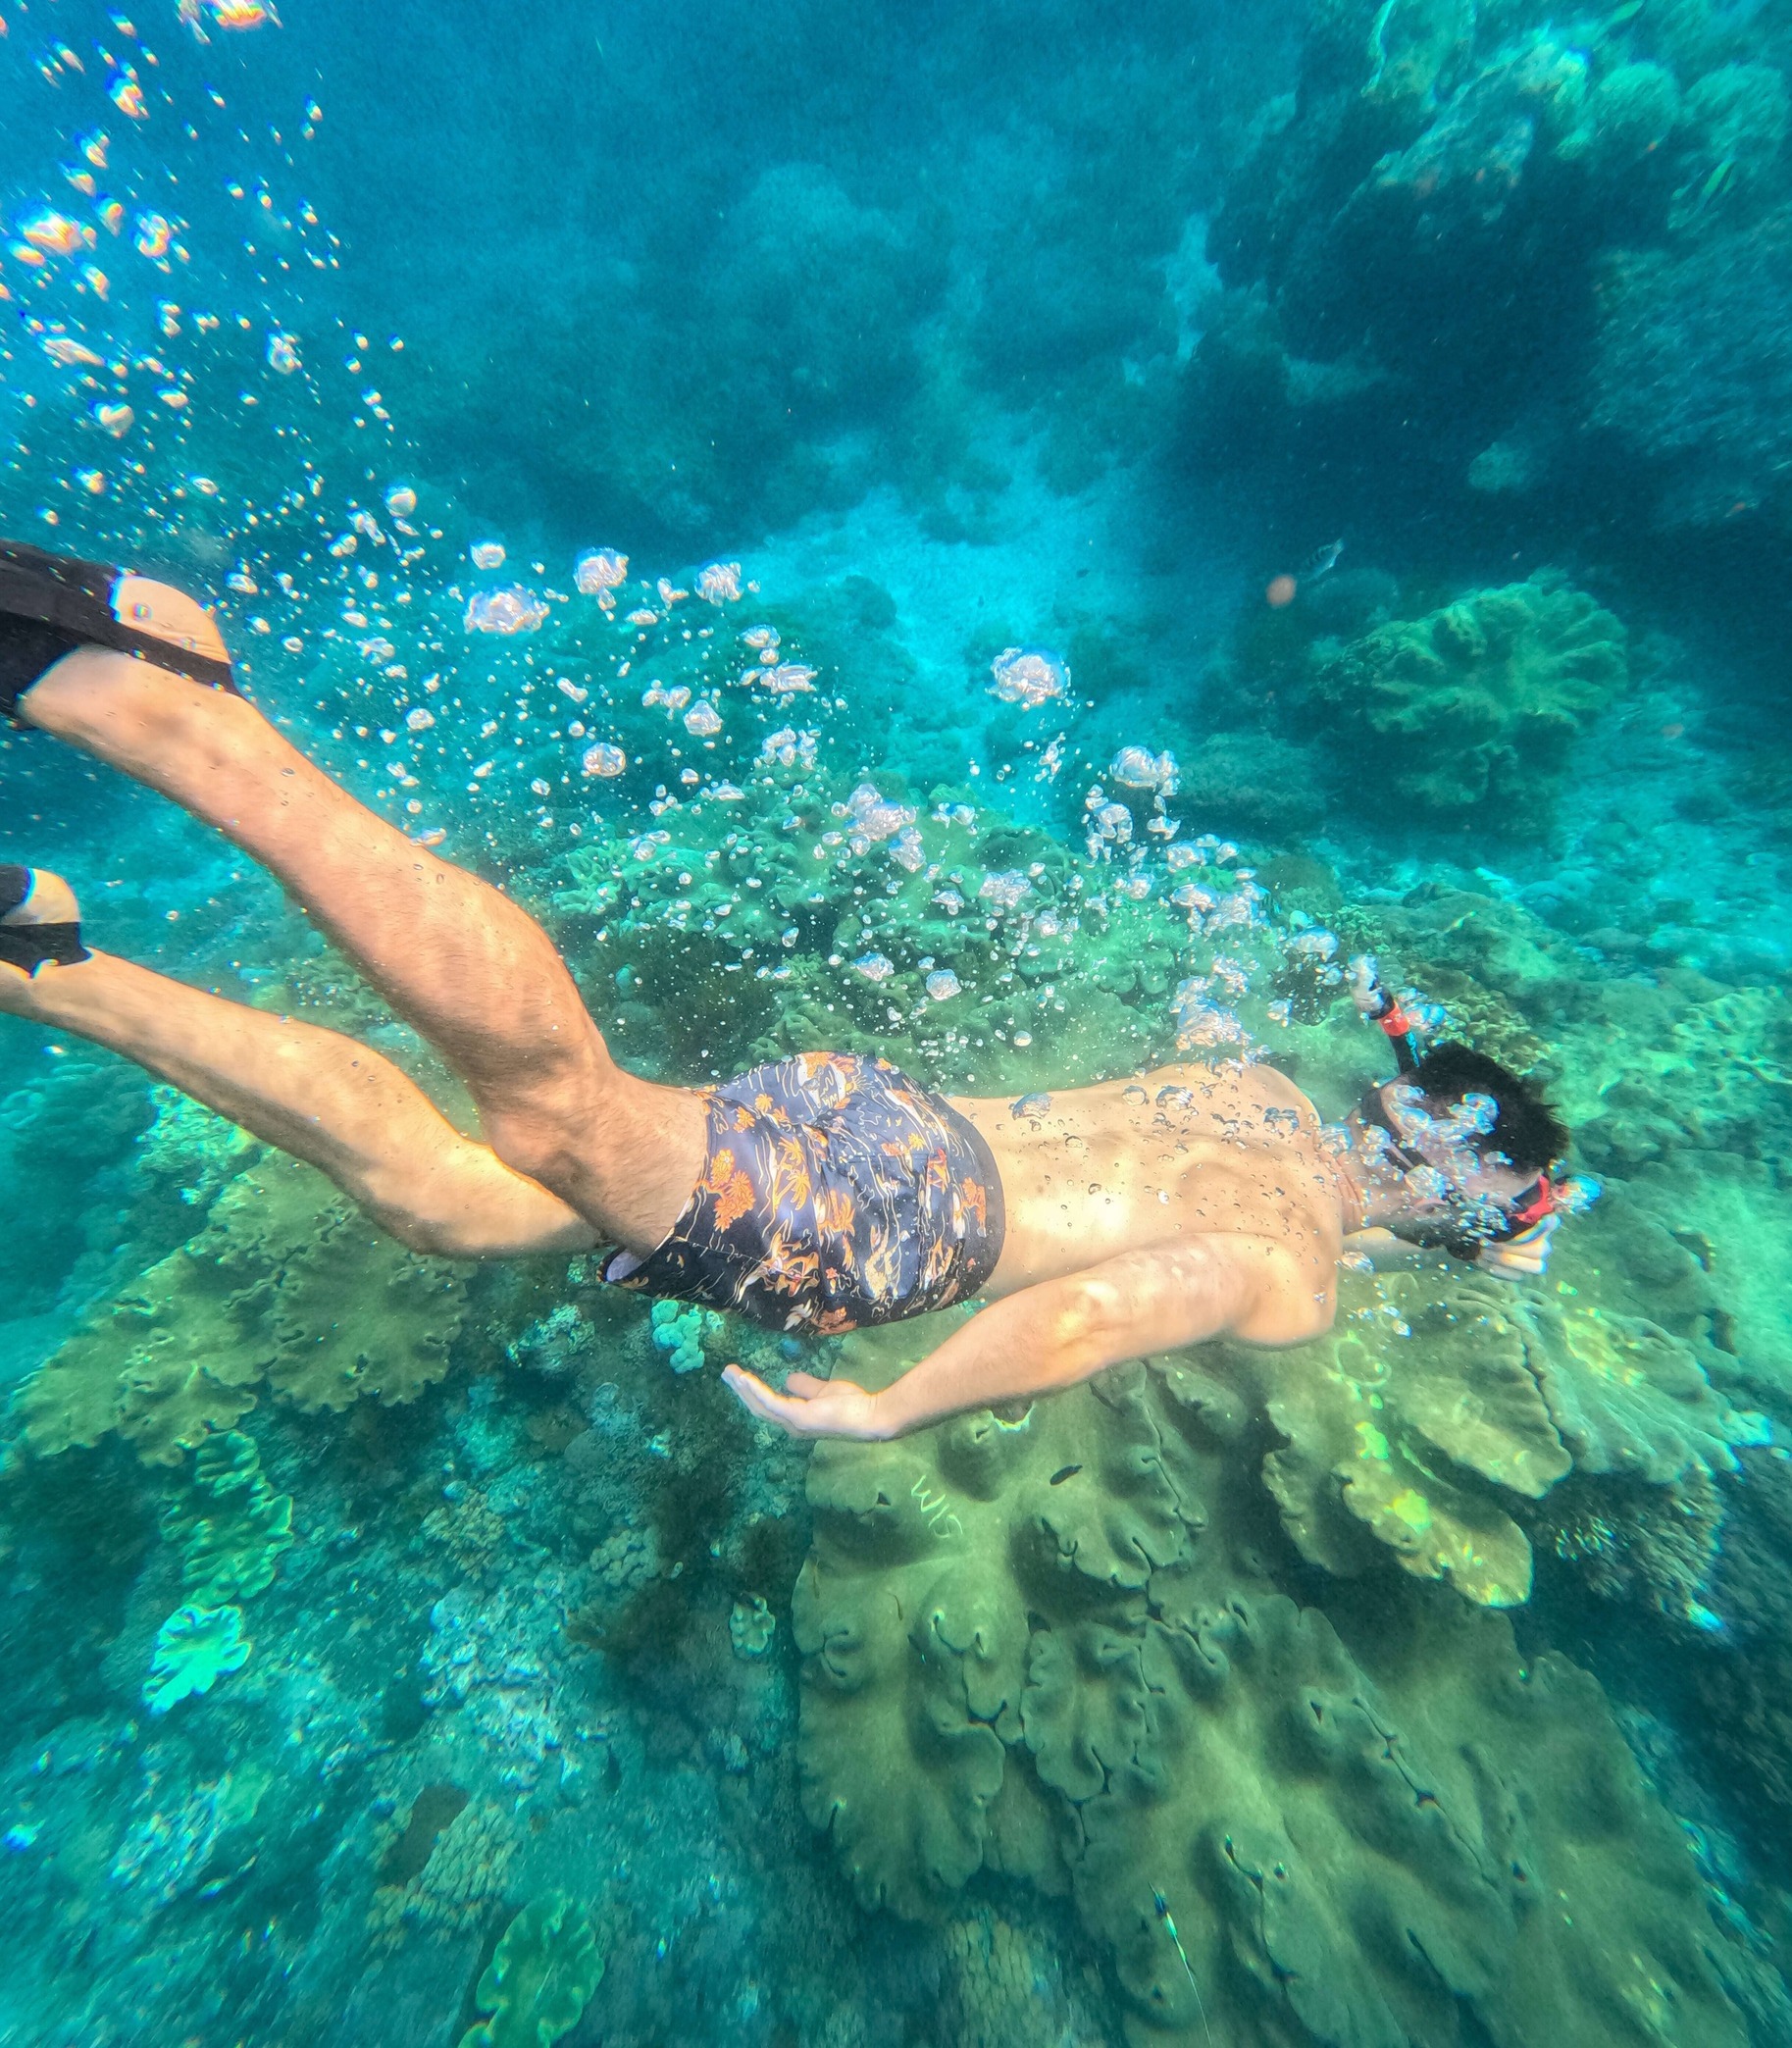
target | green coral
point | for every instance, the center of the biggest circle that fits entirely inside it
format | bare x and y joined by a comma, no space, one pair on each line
1473,709
232,1536
286,1286
1630,113
1416,47
1431,1441
540,1979
195,1647
679,1333
1735,121
751,1626
1049,1645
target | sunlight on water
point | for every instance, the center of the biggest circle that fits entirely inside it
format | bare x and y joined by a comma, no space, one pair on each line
1094,557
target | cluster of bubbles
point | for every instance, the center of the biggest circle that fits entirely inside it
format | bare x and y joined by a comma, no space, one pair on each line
1028,676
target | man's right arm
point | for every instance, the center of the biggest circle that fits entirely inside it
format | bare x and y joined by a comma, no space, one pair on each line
1059,1332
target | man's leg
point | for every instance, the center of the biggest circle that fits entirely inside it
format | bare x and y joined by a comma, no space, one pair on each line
473,973
316,1094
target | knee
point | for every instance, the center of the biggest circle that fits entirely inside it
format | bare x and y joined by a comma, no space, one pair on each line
552,1141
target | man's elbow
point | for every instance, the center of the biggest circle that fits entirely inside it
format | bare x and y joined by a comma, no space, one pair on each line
1094,1323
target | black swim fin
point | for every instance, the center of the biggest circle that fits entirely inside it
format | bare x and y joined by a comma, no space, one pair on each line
39,920
51,604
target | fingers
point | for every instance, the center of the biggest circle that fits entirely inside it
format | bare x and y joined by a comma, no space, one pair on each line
803,1383
755,1395
1505,1263
780,1410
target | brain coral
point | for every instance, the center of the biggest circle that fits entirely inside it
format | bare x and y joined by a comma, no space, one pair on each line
1473,708
1048,1645
285,1286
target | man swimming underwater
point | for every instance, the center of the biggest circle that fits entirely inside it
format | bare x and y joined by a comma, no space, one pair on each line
822,1193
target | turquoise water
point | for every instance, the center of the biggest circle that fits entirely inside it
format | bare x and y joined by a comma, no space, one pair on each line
1122,511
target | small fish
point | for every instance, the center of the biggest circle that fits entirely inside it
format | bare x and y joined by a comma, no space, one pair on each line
1319,562
1163,1913
1716,181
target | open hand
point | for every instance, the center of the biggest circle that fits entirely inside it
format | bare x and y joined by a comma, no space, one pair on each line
809,1407
1522,1258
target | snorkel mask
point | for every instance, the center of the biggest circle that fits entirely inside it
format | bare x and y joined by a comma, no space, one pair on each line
1440,1157
1471,1221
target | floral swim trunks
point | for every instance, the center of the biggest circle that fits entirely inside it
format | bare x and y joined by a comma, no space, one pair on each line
836,1193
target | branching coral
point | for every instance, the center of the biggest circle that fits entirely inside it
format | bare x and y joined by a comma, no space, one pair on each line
285,1285
1045,1645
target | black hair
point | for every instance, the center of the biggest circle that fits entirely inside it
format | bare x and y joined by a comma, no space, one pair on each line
1526,1130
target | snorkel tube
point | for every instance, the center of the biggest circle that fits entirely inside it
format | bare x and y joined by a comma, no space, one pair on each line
1375,1005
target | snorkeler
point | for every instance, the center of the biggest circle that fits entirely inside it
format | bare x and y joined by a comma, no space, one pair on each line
822,1193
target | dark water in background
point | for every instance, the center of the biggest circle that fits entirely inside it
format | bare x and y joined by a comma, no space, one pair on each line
1436,1676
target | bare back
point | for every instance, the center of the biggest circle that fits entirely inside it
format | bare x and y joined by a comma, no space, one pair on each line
1189,1151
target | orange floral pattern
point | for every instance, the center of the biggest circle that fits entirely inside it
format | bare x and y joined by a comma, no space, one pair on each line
837,1193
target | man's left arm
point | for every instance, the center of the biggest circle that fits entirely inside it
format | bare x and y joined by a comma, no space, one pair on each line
1059,1332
